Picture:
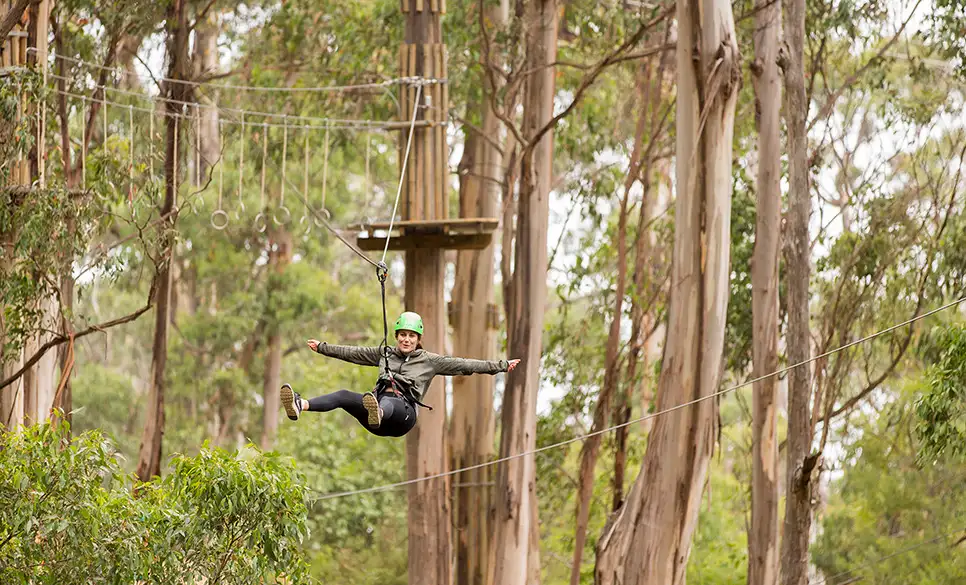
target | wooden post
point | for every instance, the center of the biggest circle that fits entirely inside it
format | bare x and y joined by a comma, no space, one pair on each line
424,198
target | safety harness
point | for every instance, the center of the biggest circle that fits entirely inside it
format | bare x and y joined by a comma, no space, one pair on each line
398,387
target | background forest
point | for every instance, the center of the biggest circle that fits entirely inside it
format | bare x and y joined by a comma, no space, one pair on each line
799,190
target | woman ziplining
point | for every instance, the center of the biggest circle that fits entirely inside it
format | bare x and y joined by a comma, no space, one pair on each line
389,410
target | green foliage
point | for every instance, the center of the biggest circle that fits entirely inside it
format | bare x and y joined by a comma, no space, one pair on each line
889,519
941,409
720,548
38,224
71,516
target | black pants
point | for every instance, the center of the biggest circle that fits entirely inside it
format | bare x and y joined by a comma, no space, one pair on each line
398,415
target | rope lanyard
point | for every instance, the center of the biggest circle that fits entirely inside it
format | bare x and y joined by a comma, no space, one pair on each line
382,272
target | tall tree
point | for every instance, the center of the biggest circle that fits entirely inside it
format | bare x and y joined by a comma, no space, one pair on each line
473,425
763,535
205,60
516,481
176,92
646,130
800,462
650,539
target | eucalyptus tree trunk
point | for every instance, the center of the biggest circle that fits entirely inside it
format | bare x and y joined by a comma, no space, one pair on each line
516,479
473,426
797,249
649,540
149,457
591,446
206,63
763,535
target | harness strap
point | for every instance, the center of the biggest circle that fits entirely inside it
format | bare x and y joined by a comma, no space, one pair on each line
407,393
382,271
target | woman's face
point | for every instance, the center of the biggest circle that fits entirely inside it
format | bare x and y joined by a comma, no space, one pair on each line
406,340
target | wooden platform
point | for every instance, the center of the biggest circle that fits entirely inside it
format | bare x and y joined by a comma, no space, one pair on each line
465,233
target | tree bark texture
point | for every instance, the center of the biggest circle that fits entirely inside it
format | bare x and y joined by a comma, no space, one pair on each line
763,536
591,446
649,541
206,63
149,457
797,249
472,426
516,481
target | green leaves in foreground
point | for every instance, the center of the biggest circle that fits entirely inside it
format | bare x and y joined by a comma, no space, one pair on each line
942,408
71,516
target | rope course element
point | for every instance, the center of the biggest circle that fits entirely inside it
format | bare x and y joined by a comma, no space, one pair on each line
281,197
261,193
325,173
219,218
316,214
402,173
342,123
305,185
241,170
257,88
386,487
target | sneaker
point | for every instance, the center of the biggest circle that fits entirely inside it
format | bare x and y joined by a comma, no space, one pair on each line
291,401
371,403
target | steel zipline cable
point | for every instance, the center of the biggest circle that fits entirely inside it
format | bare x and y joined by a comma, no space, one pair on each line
386,487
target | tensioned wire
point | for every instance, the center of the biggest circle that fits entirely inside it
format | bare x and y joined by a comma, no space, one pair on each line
386,487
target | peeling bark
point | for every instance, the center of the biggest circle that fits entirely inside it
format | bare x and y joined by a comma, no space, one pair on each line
763,534
649,540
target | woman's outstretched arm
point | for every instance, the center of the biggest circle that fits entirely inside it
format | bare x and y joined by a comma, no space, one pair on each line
455,366
363,356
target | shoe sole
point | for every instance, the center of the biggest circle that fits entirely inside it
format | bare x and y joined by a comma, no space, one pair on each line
288,402
372,407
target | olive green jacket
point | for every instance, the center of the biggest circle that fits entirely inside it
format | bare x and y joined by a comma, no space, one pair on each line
416,369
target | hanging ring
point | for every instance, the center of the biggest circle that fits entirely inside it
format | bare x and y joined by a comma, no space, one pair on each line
288,216
328,217
261,217
240,210
219,219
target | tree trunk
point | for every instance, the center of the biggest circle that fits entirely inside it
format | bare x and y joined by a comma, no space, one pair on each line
516,481
279,257
641,317
591,447
763,536
472,426
127,51
39,380
799,466
206,63
149,457
650,540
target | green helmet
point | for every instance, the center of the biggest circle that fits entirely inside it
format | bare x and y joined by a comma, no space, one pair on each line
409,321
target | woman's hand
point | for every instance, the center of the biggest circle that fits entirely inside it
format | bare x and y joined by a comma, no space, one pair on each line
314,344
511,364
